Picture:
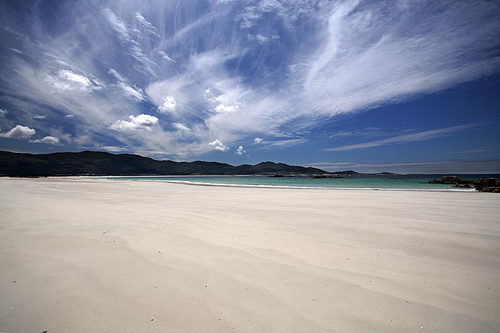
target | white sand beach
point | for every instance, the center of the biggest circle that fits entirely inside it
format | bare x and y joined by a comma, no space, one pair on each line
82,255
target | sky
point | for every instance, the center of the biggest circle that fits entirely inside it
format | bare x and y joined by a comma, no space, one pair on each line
401,86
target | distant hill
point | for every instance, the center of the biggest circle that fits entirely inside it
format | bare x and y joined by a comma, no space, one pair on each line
101,163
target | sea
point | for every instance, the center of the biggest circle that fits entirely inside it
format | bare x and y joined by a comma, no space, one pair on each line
348,182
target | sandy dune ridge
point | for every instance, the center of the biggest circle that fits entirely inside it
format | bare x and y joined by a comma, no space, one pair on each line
82,255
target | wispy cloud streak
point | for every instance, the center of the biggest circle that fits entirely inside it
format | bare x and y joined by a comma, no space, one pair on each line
420,136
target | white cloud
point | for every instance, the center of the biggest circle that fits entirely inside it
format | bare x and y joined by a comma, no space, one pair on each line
373,55
161,93
165,56
118,25
48,139
136,93
181,127
123,83
261,38
249,18
69,116
472,151
68,80
284,143
140,122
226,108
38,116
113,149
3,112
219,145
258,140
19,132
240,151
227,101
117,75
367,132
168,105
72,77
420,136
204,19
125,35
222,148
138,54
148,26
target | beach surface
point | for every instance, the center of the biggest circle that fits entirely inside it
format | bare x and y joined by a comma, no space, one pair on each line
80,255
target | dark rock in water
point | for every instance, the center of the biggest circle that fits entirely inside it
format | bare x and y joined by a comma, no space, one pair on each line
277,175
491,189
487,185
462,185
481,185
450,180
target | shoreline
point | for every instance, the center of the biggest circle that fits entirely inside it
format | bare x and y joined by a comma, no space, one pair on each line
285,187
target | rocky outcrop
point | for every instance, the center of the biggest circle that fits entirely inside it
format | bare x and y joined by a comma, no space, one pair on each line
462,186
481,185
487,185
451,180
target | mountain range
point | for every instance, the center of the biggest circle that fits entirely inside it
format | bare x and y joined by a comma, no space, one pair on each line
102,163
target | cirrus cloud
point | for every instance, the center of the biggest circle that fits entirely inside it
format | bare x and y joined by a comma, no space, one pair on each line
233,70
414,137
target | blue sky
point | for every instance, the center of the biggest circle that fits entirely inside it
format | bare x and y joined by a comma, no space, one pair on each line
403,86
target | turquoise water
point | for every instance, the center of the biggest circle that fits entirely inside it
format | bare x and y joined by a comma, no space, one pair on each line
392,182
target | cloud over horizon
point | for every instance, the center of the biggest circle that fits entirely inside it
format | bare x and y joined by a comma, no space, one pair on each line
48,139
218,145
